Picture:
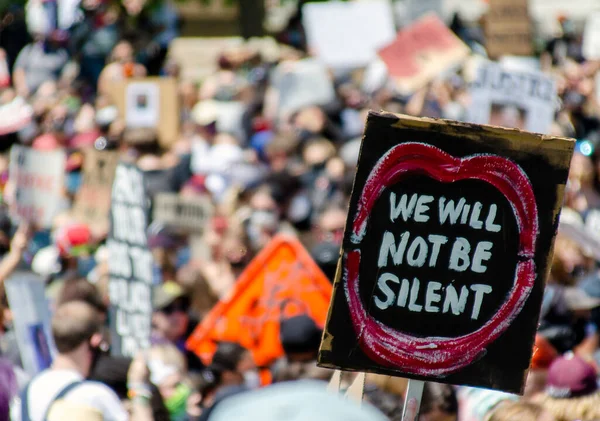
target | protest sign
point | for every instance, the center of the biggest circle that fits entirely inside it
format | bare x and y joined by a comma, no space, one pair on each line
446,250
281,282
422,51
301,84
508,28
149,103
524,100
92,202
591,37
182,212
130,264
31,318
15,115
38,179
348,43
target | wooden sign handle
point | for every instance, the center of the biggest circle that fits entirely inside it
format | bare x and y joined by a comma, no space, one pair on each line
412,401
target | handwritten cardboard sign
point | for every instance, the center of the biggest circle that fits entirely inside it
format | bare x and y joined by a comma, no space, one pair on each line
519,99
348,43
187,213
282,281
31,317
38,180
421,52
508,28
92,202
446,251
130,264
149,103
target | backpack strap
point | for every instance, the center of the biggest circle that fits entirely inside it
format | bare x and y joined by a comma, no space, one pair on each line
61,394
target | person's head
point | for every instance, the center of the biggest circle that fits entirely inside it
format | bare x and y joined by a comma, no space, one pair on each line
439,403
543,355
571,390
300,338
79,289
171,305
122,53
520,411
236,365
76,330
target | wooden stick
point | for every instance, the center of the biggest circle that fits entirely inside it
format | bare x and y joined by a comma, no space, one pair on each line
357,389
336,381
412,401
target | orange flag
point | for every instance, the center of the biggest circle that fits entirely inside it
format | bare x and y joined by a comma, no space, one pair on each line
280,282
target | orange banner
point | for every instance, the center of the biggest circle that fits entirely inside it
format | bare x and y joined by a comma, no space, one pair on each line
281,282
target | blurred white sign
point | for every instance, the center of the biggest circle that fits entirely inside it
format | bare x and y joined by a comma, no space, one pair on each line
523,100
591,37
31,318
348,34
38,179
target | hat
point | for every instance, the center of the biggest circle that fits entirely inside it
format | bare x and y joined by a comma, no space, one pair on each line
105,116
543,353
570,376
301,400
45,262
578,299
165,294
205,113
73,239
300,334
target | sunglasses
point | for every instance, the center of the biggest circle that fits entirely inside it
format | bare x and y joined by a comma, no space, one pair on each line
177,305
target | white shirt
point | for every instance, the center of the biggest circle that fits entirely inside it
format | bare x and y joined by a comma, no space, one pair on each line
45,386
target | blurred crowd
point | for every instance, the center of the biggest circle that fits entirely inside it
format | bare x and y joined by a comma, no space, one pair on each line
274,170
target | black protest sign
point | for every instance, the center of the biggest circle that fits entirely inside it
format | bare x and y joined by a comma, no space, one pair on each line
130,263
446,250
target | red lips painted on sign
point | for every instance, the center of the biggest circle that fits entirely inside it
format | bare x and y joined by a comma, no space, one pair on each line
439,356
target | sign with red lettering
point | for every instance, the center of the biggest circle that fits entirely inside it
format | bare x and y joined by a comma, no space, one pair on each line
37,179
421,52
446,250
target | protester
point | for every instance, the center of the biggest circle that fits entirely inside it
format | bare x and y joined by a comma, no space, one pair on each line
76,333
571,390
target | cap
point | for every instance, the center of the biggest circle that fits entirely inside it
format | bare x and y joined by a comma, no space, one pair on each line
45,142
578,299
205,113
165,294
73,239
570,376
300,334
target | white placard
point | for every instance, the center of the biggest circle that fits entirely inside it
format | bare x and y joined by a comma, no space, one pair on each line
38,179
31,318
526,100
591,37
142,105
301,84
348,34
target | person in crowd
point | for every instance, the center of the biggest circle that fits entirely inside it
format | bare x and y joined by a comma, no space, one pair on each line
520,411
107,369
40,61
168,371
235,365
571,391
122,66
76,333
